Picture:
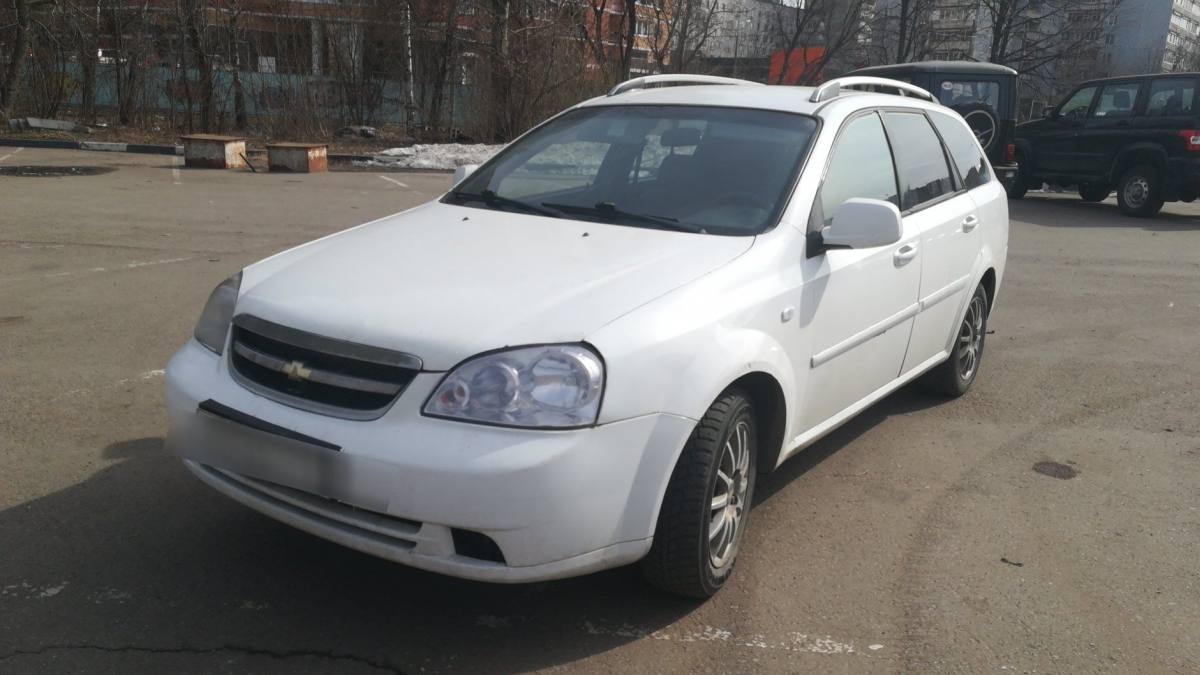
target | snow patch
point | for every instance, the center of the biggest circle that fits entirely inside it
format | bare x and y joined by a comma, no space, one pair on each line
443,156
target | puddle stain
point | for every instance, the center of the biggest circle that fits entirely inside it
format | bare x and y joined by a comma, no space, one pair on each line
1055,470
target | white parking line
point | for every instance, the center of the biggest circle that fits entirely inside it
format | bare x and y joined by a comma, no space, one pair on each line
126,266
393,180
175,171
18,150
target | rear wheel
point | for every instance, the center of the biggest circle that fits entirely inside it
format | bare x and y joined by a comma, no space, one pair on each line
1094,192
1139,192
955,375
707,505
1019,185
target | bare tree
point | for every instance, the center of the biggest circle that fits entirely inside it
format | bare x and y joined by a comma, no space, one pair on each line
819,31
10,85
681,31
901,28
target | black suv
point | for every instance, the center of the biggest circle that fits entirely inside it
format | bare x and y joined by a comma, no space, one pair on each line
985,94
1138,135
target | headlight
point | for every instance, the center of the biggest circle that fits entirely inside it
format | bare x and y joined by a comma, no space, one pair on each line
554,386
218,312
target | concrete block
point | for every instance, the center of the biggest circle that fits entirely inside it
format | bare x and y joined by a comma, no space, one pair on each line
214,152
298,157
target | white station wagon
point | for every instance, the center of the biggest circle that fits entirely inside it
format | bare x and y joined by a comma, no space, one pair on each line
583,354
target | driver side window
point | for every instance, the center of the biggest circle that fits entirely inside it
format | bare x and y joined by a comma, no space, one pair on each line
1078,104
860,166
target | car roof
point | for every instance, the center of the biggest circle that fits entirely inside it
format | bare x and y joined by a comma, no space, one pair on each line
963,67
1143,76
763,97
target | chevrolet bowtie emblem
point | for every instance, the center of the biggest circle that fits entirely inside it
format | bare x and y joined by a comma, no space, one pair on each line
296,371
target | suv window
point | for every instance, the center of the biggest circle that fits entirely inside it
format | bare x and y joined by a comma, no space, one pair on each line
961,92
1078,104
963,150
1116,100
860,166
1171,97
924,174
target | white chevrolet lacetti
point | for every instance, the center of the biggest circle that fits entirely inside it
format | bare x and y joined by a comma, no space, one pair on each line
583,354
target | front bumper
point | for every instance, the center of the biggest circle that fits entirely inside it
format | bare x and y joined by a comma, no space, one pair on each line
556,503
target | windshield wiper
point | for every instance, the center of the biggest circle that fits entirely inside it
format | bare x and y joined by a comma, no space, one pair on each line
490,198
610,210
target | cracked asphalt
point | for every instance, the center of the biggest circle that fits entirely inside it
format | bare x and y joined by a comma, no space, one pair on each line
1047,522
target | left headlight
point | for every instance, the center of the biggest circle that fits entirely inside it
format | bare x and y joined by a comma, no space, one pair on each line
552,386
218,313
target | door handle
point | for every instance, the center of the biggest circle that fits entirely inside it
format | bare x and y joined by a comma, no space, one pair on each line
905,254
969,223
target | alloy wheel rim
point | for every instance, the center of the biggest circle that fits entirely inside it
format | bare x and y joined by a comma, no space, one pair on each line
728,502
1136,191
970,339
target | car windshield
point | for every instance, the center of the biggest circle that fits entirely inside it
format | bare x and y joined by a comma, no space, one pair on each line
708,170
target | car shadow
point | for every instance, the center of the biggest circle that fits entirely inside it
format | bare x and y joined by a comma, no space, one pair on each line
909,399
1094,214
141,557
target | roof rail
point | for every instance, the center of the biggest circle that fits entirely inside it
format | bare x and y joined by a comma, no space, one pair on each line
833,88
644,82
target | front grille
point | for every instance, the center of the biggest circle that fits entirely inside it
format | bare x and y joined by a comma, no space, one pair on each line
320,374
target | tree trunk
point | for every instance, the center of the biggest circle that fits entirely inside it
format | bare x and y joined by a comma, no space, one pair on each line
203,68
10,87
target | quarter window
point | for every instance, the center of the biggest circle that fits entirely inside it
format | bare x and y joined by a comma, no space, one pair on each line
924,174
963,150
1171,97
1116,100
1078,104
861,166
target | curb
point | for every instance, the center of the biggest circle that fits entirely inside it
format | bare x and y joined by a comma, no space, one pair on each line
140,148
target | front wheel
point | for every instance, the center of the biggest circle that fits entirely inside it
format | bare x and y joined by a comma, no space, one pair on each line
707,505
1139,192
955,375
1094,192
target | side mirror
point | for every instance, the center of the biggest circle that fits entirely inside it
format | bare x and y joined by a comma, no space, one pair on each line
461,172
864,223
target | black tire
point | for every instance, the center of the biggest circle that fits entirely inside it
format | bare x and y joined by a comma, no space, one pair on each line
1019,185
951,378
1139,192
681,559
1094,192
984,123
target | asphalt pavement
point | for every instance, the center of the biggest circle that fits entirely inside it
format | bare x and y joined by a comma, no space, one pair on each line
1049,521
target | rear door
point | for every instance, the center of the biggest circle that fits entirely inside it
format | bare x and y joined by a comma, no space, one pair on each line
936,205
857,304
1108,127
1170,107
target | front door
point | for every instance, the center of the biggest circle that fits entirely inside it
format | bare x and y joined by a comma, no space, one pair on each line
857,304
1109,126
1057,145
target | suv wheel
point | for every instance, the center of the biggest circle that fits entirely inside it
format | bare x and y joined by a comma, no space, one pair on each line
1019,185
1094,192
707,505
955,375
1139,192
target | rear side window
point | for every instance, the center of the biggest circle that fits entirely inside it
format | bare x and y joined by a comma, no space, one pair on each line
861,166
920,161
1116,100
1171,97
958,93
963,150
1078,104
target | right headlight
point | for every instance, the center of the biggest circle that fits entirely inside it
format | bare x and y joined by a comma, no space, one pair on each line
552,386
218,313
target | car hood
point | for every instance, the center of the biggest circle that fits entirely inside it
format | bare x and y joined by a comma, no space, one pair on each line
446,282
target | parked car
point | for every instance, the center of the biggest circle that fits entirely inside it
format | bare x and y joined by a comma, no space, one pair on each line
584,354
1138,135
985,94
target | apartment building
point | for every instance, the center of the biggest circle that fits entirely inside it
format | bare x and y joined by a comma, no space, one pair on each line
1156,35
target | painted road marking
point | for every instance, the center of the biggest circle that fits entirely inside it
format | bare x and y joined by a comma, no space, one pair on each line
393,180
14,152
175,171
127,266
